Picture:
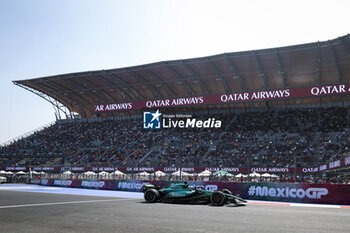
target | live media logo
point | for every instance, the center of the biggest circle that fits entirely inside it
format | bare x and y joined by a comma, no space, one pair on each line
152,120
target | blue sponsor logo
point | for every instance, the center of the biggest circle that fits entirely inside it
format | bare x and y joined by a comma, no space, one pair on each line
152,120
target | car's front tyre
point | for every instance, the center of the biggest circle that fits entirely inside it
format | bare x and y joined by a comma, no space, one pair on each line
218,198
151,195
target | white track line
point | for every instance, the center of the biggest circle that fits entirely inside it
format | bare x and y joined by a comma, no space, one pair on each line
292,204
29,187
314,205
61,203
95,192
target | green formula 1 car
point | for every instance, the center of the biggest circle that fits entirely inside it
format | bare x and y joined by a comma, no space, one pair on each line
182,193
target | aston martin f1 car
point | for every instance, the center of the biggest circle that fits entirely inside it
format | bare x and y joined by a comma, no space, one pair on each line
182,193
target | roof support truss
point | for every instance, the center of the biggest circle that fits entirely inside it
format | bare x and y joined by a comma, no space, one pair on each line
55,84
109,96
261,70
155,92
340,76
52,84
92,90
196,77
319,74
56,87
280,65
59,107
169,91
219,76
180,79
125,96
236,73
345,45
126,86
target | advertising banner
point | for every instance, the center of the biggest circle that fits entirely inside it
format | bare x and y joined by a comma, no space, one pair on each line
344,162
76,183
47,182
35,181
98,184
72,183
77,169
15,169
130,185
285,192
228,98
100,169
47,169
233,170
290,192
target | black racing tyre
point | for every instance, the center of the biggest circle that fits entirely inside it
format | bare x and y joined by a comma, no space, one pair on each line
151,195
218,198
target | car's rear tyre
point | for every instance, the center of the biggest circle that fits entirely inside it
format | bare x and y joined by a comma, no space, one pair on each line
151,195
218,198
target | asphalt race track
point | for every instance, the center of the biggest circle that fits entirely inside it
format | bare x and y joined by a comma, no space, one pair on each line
24,211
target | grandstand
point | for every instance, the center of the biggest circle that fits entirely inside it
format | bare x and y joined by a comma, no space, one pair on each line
284,107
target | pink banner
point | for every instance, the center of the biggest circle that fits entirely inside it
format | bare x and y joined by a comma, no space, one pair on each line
343,162
228,98
235,170
47,169
15,169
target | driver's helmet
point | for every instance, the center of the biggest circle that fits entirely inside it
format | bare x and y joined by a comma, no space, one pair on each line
185,184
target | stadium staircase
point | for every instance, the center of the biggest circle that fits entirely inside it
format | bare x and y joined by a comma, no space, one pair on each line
143,158
25,135
217,140
132,158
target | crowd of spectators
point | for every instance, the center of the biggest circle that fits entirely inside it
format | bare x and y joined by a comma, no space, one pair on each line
283,138
289,138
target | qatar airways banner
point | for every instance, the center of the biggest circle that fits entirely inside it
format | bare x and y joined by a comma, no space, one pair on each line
343,162
340,163
228,98
47,169
234,170
15,169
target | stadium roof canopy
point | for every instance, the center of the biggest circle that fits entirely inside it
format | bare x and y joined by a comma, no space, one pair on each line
305,65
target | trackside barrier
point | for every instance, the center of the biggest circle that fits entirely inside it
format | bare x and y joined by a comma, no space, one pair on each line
286,192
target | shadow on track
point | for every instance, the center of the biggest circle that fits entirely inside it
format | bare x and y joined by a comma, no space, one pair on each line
208,204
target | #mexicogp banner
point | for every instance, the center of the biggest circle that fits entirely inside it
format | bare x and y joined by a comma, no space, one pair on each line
228,98
301,193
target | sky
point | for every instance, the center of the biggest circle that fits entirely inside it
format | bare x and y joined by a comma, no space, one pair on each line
41,38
